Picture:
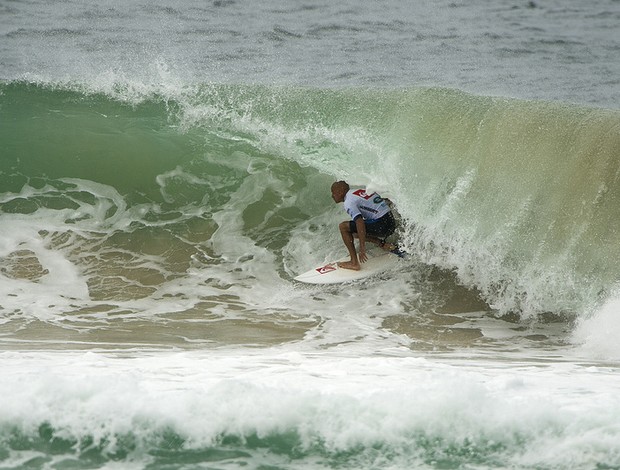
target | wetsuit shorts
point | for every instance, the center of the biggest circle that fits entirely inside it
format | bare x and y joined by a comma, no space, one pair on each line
380,228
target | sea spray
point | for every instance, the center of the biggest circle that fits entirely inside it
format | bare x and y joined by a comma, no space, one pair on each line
597,333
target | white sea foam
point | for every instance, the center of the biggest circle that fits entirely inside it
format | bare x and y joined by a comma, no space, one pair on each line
598,333
532,415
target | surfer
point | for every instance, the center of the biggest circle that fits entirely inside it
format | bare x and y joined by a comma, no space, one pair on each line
371,220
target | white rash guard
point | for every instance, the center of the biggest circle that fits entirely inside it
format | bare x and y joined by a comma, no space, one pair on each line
370,206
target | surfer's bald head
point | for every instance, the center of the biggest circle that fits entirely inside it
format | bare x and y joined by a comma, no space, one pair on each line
341,186
339,190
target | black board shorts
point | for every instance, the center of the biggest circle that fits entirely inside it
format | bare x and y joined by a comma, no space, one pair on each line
380,228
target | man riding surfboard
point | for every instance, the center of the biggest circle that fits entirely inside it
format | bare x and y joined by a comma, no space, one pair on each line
371,220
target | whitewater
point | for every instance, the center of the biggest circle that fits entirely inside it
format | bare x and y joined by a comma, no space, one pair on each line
164,175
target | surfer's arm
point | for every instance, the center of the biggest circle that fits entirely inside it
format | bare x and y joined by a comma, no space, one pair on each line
361,235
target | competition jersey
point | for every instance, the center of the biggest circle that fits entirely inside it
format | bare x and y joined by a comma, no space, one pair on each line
370,206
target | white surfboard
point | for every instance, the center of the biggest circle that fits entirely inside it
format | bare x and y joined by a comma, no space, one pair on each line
331,273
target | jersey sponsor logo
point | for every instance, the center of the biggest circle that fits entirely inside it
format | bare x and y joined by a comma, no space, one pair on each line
361,193
364,195
369,209
328,268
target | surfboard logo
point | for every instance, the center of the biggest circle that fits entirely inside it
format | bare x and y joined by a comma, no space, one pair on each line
327,268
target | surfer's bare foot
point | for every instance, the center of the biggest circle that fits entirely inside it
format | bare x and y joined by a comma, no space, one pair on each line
349,265
389,246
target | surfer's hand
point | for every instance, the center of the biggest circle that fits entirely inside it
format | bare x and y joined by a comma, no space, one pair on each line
362,256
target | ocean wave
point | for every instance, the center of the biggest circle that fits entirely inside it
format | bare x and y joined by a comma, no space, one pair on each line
518,198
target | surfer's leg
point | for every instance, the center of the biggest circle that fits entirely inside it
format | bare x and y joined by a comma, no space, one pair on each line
378,241
347,238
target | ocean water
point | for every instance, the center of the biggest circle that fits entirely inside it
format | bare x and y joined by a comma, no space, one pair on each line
164,175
